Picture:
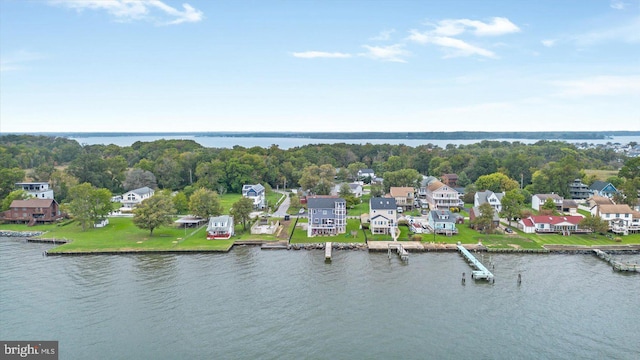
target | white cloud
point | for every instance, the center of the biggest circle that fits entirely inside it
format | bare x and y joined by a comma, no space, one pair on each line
549,42
128,10
383,35
497,26
617,4
16,61
599,86
320,54
393,53
453,47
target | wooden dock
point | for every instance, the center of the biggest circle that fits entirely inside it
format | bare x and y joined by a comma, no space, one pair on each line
400,250
481,271
616,265
327,250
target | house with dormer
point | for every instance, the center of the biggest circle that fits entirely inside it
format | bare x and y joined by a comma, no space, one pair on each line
38,190
443,222
488,196
134,197
383,215
442,197
220,227
327,216
538,200
255,192
565,225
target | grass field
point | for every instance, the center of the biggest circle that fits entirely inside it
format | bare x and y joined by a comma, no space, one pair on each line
300,235
601,174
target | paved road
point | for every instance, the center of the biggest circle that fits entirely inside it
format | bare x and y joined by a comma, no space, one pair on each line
282,209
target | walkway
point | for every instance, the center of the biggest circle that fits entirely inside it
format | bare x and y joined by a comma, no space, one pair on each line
481,272
284,207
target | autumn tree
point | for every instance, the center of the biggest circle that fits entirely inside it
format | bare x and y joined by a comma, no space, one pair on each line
154,212
496,182
205,203
241,211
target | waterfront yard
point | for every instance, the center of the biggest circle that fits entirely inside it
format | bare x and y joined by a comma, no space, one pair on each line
300,235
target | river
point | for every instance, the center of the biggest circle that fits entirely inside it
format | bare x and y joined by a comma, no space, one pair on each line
287,143
278,304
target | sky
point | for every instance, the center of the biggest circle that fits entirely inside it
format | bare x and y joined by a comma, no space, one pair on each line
329,65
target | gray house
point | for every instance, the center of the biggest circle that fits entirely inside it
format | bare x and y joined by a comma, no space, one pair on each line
327,216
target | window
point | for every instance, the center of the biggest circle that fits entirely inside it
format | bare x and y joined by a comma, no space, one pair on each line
324,212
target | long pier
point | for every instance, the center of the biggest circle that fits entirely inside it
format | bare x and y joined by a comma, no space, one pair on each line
481,271
617,265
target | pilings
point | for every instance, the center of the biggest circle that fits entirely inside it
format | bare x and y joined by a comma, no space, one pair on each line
616,265
482,272
400,250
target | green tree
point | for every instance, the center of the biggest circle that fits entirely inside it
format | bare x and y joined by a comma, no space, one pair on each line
88,204
630,169
42,172
60,183
549,205
377,190
594,224
318,179
512,203
14,195
180,202
345,190
136,178
404,177
205,203
8,180
241,211
484,220
154,212
496,182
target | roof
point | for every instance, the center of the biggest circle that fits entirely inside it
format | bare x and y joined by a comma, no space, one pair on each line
555,220
527,222
380,203
483,196
142,191
397,191
600,200
435,185
189,220
31,203
615,209
33,183
354,186
366,171
546,196
569,204
600,185
435,214
426,180
256,187
476,212
450,176
326,202
219,222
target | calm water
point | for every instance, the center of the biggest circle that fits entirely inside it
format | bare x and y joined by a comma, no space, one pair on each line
256,304
286,143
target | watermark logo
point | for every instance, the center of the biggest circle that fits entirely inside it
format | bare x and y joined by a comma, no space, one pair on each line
29,350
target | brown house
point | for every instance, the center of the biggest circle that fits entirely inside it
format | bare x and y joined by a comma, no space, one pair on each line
32,211
450,180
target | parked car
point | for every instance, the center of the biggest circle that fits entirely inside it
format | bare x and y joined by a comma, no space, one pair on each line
399,209
508,230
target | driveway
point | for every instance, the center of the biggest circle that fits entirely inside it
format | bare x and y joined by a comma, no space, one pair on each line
282,209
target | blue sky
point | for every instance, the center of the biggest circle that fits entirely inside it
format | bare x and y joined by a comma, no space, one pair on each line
192,65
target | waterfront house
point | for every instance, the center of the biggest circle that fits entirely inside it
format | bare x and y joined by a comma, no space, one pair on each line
474,212
424,184
327,216
38,190
620,217
134,197
220,227
602,188
538,200
383,215
404,195
551,224
488,196
579,190
255,192
442,197
443,222
32,211
596,201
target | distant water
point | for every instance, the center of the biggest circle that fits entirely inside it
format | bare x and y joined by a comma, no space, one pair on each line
286,143
257,304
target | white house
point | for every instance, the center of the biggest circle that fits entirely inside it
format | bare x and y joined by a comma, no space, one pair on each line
442,197
382,215
39,190
136,196
256,193
220,227
494,199
355,188
366,173
538,200
551,224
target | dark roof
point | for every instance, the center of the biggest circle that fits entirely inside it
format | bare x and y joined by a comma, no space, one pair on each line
142,191
366,171
600,185
382,203
323,202
31,203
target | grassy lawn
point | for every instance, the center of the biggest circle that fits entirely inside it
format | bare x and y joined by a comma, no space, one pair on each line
601,174
122,235
362,208
227,201
300,236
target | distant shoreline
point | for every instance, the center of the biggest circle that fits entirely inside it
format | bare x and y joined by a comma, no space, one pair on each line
455,135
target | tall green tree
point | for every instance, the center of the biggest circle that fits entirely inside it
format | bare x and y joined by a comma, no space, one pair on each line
154,212
14,195
483,221
8,180
404,177
496,182
241,211
88,204
512,204
594,224
180,202
631,168
205,203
